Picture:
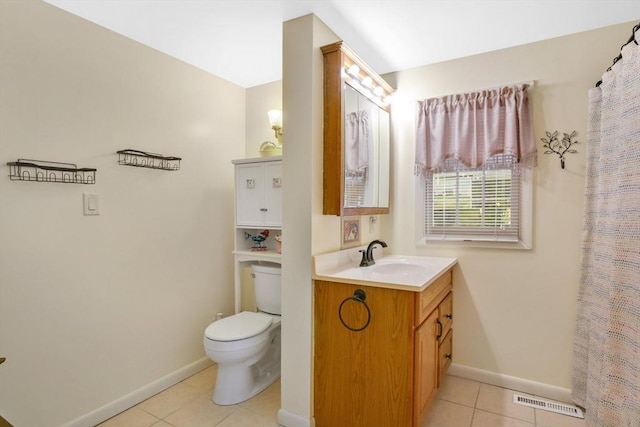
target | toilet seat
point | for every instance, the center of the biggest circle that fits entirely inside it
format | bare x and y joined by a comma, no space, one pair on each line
238,327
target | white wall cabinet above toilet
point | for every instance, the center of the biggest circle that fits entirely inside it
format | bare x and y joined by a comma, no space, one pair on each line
258,208
259,192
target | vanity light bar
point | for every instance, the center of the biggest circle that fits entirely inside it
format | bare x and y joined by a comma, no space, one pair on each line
373,87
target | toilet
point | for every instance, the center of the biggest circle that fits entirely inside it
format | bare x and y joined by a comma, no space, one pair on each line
246,345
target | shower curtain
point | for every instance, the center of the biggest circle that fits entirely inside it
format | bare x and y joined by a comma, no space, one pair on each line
606,371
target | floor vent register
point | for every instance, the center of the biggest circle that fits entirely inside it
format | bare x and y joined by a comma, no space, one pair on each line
548,405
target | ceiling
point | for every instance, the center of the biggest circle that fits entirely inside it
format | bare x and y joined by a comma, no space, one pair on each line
241,40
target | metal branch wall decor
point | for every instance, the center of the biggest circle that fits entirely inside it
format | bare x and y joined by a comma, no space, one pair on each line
559,147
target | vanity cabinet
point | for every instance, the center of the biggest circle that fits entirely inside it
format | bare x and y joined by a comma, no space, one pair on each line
259,192
387,374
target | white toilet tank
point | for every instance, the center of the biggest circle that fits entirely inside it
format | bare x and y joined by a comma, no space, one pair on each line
266,282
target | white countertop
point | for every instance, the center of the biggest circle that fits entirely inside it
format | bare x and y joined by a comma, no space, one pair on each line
404,272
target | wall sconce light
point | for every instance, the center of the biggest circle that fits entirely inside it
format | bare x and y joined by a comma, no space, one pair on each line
275,119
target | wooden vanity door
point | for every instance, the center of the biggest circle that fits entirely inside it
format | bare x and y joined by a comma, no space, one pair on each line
363,378
426,369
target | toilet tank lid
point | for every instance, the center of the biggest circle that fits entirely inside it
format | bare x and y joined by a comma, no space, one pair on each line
242,325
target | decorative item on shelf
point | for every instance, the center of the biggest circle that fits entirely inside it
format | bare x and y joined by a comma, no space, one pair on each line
257,240
143,159
559,147
350,231
278,239
268,149
44,171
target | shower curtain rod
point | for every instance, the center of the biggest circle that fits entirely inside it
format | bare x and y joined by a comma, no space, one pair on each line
619,57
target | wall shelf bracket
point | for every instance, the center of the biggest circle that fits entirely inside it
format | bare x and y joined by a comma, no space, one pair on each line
44,171
143,159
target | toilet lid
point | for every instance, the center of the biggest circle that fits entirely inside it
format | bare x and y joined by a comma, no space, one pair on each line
238,327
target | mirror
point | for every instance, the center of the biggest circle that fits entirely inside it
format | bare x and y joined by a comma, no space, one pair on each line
356,136
366,152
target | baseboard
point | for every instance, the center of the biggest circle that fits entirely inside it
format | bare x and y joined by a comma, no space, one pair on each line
125,402
514,383
288,419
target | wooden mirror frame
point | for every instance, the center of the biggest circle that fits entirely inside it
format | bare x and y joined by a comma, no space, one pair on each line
337,56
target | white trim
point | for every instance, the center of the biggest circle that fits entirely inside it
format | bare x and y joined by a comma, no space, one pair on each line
514,383
129,400
288,419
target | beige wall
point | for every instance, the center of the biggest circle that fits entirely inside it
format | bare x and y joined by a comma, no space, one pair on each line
261,99
514,309
95,308
302,101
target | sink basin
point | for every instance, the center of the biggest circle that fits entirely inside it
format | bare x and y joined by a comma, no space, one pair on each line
400,272
398,268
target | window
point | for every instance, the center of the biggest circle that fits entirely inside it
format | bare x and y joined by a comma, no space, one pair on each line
483,204
488,203
355,185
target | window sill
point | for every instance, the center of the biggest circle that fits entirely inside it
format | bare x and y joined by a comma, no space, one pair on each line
486,244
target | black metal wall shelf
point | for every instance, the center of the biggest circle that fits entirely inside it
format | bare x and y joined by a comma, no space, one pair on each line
148,160
44,171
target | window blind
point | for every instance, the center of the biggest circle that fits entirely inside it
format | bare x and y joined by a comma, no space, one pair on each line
474,204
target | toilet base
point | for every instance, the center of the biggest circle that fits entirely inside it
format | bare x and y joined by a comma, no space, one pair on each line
236,384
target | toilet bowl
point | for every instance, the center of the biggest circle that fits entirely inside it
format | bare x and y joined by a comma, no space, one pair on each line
246,345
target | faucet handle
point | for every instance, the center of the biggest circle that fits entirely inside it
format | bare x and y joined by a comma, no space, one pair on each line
364,262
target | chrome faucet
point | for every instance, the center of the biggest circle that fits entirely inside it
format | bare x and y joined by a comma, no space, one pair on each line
367,255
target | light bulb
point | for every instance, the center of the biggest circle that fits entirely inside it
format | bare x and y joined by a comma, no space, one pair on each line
354,70
275,118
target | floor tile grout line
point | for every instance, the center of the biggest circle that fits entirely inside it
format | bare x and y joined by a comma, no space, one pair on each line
506,416
454,402
231,413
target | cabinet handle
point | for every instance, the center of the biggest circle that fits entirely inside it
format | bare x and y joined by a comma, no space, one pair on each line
449,316
439,328
263,209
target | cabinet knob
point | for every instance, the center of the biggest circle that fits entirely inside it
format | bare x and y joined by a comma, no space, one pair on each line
448,356
449,316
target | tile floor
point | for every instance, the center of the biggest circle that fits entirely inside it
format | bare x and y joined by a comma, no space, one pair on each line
459,403
465,403
189,404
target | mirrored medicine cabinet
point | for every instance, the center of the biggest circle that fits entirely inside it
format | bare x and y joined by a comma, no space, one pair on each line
356,135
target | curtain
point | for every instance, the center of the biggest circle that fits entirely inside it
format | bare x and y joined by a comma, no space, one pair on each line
357,140
606,364
474,126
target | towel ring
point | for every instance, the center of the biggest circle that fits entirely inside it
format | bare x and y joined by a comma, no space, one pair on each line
359,295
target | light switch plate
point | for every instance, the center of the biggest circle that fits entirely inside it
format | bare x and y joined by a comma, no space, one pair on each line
91,204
